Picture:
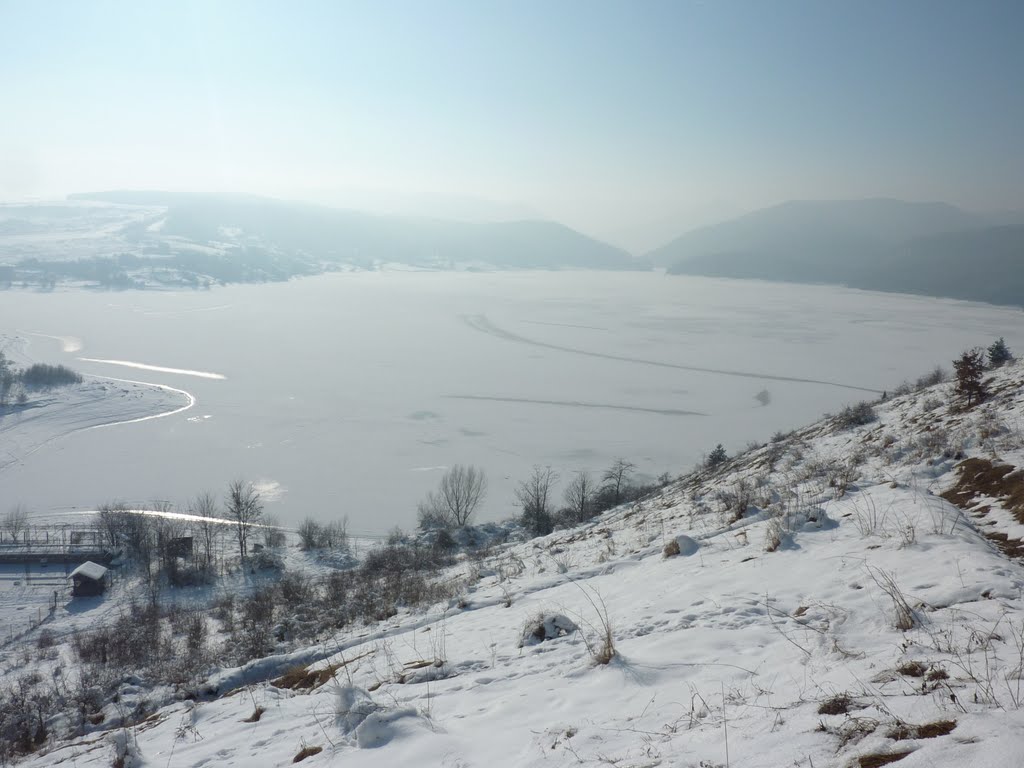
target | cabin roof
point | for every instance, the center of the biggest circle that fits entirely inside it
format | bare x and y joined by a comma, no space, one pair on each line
90,570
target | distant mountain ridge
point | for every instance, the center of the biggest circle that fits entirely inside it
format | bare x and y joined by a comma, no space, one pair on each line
346,236
878,244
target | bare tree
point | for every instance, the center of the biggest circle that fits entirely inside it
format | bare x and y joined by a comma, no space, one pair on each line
169,529
534,498
16,522
273,536
458,495
111,523
579,497
616,478
244,508
334,534
207,530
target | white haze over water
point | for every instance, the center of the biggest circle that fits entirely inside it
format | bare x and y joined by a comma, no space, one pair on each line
348,394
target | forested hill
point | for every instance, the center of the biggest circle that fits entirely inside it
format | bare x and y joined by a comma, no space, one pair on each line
353,237
880,244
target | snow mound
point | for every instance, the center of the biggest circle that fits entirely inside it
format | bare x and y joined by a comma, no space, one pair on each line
369,725
546,627
687,546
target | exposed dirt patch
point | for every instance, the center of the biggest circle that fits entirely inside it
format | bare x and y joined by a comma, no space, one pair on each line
980,477
1009,547
903,732
874,761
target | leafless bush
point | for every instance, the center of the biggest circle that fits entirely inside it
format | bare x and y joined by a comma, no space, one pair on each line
273,535
842,474
855,415
905,617
870,521
738,500
25,709
936,376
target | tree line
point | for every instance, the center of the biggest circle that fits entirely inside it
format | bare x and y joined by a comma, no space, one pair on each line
462,489
16,383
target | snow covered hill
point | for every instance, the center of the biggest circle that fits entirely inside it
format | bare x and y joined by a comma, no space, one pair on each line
817,601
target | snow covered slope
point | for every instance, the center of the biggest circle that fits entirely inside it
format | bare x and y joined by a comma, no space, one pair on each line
827,607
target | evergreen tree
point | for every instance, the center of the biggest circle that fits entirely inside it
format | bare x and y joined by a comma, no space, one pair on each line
716,457
970,368
998,353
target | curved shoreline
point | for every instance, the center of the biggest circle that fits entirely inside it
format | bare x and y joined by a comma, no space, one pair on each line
188,396
60,413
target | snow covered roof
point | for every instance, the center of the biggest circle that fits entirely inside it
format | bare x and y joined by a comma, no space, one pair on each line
89,570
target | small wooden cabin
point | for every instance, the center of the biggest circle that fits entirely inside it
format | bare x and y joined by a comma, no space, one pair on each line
88,579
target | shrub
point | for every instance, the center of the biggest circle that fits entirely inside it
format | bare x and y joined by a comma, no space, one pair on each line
855,415
310,534
42,376
936,376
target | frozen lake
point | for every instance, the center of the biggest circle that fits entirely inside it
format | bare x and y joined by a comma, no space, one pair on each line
348,394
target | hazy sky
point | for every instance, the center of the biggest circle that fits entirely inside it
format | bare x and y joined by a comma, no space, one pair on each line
621,119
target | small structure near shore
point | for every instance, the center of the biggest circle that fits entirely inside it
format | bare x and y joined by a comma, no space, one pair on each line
88,580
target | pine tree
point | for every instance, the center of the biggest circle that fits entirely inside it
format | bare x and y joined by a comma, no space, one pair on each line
970,368
998,353
716,457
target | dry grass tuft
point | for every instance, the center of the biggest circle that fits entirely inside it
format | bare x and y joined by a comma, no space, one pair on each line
307,752
913,669
877,760
837,705
301,678
255,716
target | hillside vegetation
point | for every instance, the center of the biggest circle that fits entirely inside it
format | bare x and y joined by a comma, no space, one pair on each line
849,594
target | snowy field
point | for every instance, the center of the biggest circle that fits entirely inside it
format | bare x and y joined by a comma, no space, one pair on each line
848,617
